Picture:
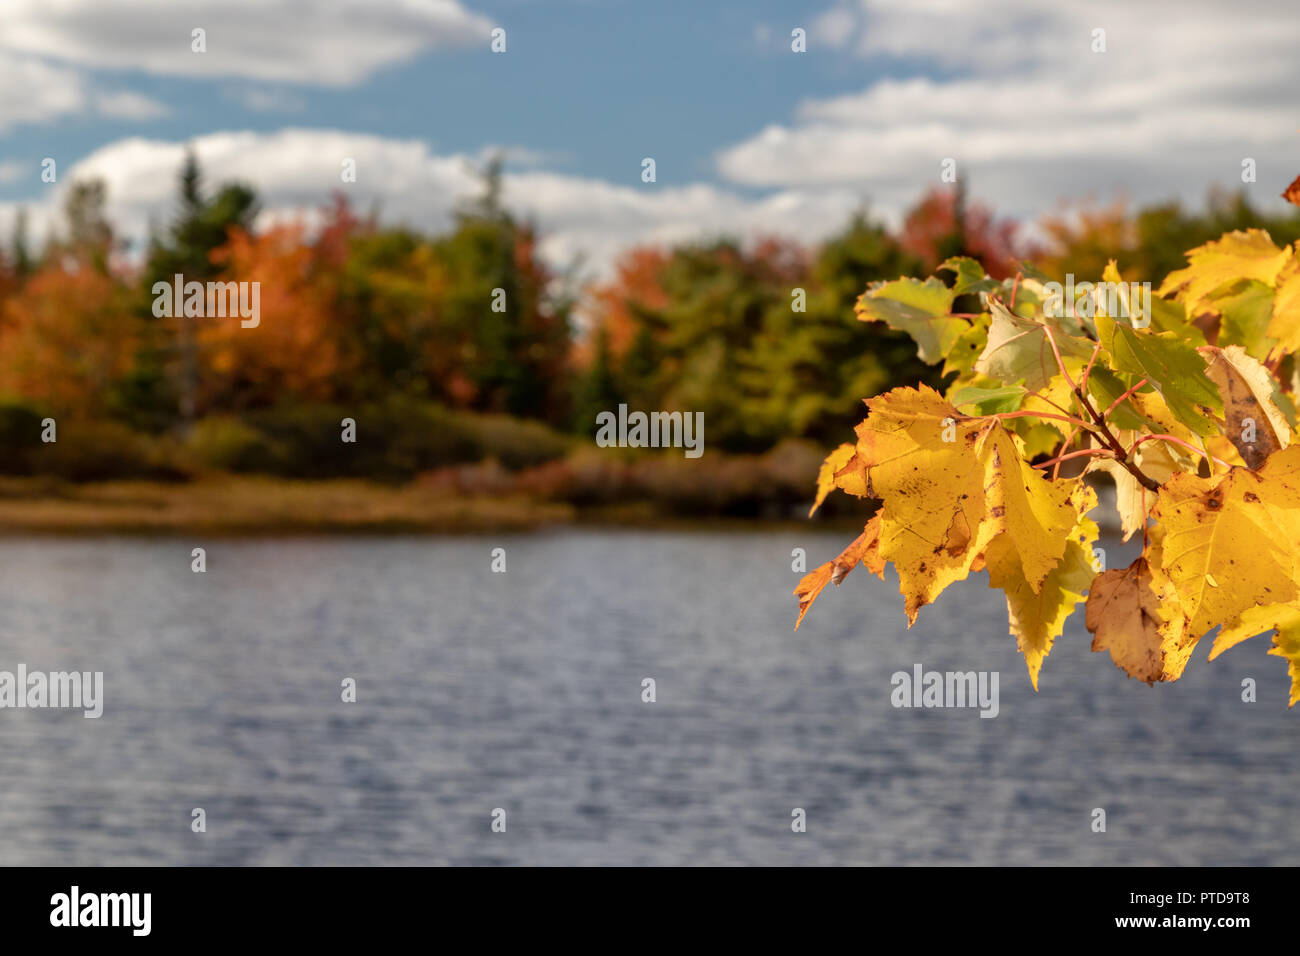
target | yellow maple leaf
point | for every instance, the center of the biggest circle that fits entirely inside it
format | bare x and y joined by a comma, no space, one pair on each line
1031,514
1152,405
921,462
864,550
1037,615
1222,448
1020,349
1284,324
1054,396
1255,620
1132,501
826,476
1283,620
948,487
1286,643
1230,542
1113,289
1237,255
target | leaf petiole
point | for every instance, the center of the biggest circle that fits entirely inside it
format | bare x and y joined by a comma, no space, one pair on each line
1115,404
1075,454
1178,441
1000,416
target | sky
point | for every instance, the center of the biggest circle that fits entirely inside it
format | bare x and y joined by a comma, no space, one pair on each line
749,137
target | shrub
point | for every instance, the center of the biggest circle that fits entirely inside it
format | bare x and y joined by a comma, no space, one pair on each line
20,435
104,451
396,440
227,444
515,443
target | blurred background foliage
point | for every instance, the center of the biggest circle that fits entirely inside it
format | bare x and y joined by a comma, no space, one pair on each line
396,330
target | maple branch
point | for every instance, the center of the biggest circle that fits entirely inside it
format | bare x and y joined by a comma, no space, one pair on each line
1074,314
1105,433
1083,384
1078,422
1065,444
1100,429
1044,398
1051,339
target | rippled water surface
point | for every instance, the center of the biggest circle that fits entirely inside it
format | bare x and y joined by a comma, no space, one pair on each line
523,691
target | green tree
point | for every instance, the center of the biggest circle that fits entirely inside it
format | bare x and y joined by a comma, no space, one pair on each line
598,389
511,332
164,382
761,339
20,249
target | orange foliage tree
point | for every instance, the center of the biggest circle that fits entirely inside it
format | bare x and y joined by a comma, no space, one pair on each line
66,336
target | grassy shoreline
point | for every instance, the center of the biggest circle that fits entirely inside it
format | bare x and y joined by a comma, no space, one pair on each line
255,506
258,506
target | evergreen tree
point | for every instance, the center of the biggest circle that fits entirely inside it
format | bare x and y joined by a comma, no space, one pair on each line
165,381
20,256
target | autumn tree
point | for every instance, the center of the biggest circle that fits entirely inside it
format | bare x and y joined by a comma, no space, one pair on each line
751,335
69,332
292,354
165,380
508,331
944,224
1150,241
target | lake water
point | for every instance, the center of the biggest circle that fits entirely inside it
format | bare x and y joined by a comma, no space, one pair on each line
522,691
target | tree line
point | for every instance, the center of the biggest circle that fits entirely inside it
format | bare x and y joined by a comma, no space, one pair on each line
759,336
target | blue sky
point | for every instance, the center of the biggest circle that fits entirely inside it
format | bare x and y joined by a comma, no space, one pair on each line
748,136
593,85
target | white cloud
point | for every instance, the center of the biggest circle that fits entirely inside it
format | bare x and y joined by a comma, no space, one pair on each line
596,220
295,170
1012,90
36,92
333,43
49,47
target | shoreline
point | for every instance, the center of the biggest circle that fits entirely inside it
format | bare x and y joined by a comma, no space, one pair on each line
251,507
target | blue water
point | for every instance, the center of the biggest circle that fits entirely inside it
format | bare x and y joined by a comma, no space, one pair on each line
522,691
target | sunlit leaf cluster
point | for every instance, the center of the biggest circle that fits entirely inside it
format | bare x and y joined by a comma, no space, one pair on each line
1183,398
